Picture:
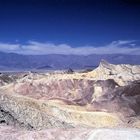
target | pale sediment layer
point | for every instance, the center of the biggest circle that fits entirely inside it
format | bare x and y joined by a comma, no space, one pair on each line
108,96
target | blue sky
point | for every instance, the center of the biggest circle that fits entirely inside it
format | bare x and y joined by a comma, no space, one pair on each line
88,26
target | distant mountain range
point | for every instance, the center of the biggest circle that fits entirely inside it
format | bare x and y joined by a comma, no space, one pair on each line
12,61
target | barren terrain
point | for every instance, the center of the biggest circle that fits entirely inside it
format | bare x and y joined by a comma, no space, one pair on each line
100,104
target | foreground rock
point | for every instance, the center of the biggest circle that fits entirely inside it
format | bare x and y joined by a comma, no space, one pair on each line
70,134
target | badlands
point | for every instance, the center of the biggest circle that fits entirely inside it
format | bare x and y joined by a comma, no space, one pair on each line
102,104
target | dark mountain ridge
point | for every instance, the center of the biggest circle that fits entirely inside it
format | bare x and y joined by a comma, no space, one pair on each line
13,61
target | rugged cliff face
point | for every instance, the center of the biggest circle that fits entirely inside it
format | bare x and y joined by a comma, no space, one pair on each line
108,96
122,74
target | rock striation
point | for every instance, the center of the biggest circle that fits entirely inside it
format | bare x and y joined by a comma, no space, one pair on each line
108,96
122,74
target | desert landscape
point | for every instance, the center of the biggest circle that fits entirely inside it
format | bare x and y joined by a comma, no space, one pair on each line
102,104
69,69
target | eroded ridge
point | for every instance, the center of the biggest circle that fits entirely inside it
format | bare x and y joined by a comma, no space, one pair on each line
108,96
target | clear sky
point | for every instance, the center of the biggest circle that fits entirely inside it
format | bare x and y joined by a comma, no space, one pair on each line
69,23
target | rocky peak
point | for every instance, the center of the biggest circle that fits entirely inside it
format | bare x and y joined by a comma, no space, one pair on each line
104,63
121,73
